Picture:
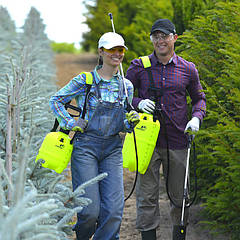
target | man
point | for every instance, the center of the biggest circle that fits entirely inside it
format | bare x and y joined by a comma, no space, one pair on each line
172,78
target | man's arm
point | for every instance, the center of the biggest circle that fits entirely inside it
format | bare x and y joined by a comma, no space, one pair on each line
197,95
198,101
139,103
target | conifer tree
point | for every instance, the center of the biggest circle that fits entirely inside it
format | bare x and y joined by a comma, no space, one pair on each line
8,36
212,44
47,199
7,29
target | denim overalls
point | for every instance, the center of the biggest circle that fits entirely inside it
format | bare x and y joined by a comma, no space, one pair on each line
99,150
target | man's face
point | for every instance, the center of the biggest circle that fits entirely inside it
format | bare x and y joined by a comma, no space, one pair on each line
163,44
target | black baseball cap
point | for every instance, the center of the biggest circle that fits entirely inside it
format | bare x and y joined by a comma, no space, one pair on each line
163,25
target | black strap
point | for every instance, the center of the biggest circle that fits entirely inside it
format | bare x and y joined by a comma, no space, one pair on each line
85,101
68,105
157,92
56,123
55,126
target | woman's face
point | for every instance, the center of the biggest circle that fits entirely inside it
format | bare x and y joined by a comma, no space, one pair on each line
113,56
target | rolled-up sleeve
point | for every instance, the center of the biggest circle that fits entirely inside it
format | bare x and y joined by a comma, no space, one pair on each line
76,87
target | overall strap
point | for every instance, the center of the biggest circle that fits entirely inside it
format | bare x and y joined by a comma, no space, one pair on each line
121,90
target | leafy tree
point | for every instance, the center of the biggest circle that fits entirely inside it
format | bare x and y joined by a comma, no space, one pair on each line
186,10
212,45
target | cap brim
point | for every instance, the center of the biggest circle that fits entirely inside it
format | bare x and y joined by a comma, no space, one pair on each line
161,30
112,46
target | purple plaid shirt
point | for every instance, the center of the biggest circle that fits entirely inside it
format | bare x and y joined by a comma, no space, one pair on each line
175,79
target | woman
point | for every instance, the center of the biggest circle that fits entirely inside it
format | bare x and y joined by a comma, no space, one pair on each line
97,146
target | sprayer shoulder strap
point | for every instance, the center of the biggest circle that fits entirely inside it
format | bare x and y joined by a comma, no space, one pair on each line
147,65
89,82
146,61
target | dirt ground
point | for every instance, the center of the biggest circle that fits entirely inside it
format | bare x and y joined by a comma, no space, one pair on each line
68,66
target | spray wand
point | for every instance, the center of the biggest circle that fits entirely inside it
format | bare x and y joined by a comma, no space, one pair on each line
129,107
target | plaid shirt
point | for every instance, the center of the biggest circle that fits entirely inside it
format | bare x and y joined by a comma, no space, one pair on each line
76,89
174,79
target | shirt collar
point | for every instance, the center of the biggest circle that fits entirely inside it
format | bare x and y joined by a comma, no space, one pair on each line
155,61
98,78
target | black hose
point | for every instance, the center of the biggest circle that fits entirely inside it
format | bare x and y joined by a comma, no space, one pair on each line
135,180
162,120
195,175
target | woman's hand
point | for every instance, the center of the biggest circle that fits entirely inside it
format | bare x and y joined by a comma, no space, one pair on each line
80,125
133,118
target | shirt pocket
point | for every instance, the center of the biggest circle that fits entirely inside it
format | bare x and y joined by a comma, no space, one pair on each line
92,100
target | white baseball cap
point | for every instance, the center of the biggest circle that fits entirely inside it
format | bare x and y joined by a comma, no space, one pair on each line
110,39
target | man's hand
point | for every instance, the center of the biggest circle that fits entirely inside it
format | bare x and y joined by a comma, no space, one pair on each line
193,124
146,106
80,125
133,117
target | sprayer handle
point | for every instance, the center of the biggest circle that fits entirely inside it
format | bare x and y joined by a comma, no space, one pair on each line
64,131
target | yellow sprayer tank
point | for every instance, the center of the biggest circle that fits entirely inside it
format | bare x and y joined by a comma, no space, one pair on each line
146,133
55,151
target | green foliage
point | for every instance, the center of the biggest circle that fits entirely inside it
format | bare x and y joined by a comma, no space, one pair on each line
212,44
63,47
185,11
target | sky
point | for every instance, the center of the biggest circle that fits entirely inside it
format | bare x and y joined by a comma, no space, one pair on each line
63,18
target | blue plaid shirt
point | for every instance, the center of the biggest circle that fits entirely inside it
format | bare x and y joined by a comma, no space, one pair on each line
76,89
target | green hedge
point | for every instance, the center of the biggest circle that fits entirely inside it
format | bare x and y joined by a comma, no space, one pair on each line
212,44
63,47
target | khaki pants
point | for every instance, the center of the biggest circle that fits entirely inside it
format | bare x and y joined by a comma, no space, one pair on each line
147,189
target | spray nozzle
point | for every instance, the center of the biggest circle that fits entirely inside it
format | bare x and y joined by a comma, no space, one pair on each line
190,137
110,15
